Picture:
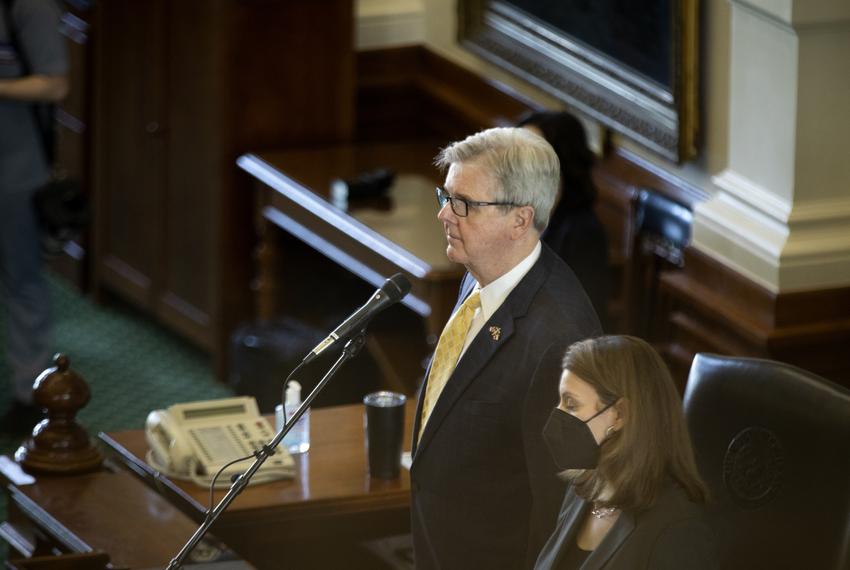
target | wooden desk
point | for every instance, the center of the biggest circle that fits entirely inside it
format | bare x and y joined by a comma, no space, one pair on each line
103,512
331,501
404,235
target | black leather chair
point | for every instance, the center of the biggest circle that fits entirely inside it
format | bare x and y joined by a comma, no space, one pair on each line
663,226
661,230
773,445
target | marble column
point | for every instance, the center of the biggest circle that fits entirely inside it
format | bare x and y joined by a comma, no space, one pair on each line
781,217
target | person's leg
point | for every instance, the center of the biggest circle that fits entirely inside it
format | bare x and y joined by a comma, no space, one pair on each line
25,292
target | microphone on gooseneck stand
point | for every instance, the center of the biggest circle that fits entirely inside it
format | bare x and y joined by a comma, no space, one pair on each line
391,292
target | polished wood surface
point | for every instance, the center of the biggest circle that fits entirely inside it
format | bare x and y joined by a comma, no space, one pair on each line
331,499
87,561
104,512
372,239
408,219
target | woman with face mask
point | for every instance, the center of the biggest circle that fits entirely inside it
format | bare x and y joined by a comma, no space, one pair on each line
619,436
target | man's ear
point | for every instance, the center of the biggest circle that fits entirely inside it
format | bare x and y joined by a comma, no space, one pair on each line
523,220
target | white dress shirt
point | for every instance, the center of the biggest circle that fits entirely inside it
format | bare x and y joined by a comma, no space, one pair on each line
494,294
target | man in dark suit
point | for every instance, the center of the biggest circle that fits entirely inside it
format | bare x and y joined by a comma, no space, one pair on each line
484,487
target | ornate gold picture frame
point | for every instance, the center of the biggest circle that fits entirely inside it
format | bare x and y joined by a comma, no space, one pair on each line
632,66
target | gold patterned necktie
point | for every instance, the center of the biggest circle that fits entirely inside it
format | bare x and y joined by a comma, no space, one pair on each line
448,350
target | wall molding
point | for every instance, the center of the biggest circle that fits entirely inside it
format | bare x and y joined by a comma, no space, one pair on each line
779,246
389,23
753,195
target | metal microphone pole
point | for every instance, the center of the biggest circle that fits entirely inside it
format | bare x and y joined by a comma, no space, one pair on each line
352,347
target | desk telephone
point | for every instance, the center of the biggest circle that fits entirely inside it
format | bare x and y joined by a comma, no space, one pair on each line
195,439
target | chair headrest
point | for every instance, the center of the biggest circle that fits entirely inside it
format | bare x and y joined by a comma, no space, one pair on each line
759,382
772,442
662,217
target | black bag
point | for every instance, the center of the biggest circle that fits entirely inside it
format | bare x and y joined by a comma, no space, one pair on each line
62,210
61,206
263,353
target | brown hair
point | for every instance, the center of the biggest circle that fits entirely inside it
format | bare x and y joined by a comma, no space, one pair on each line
653,443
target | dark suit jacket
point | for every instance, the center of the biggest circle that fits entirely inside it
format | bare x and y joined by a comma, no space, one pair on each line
483,485
671,535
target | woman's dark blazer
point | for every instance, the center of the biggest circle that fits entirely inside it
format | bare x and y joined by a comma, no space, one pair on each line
670,535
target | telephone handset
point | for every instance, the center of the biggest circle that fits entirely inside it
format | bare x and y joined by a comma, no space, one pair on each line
195,439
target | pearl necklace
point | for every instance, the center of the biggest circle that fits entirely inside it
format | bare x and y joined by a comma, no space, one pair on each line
603,512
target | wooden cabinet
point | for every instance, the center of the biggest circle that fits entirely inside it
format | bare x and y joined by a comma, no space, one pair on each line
130,148
182,89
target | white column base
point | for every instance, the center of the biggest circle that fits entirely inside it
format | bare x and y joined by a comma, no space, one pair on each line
801,247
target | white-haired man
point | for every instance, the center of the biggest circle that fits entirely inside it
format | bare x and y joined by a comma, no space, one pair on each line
484,488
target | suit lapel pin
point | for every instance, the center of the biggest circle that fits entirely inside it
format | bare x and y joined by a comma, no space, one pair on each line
496,332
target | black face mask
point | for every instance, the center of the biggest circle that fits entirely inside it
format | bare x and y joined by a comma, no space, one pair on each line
570,440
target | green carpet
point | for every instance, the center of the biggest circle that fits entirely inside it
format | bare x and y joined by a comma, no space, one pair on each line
132,365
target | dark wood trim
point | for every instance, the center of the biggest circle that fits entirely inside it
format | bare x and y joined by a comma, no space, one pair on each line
804,307
622,167
412,92
718,310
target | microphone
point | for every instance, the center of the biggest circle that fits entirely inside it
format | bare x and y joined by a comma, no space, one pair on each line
390,293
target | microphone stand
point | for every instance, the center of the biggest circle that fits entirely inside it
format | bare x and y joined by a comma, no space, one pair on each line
352,347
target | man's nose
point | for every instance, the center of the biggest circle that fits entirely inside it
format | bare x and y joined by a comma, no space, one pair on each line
446,214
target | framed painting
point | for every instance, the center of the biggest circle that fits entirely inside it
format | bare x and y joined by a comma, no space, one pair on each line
629,64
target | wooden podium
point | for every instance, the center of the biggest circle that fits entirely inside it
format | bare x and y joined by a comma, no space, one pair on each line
371,238
312,521
86,521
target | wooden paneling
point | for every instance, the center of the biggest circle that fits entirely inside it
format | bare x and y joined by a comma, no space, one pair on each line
389,101
183,89
717,310
129,148
412,92
196,176
298,57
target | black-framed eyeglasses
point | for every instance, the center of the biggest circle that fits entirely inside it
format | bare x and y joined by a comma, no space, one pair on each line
460,206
